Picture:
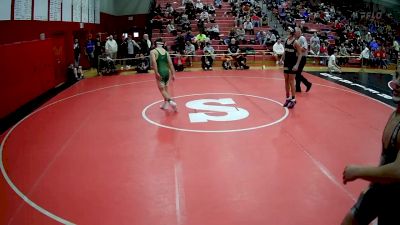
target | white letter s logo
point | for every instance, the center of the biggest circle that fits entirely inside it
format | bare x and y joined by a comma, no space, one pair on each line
232,113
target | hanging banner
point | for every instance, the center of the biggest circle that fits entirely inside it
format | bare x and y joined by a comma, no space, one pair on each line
55,10
23,10
77,11
67,10
5,10
41,10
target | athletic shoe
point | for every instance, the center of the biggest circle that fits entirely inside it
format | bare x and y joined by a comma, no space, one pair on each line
309,87
286,103
291,103
173,104
164,105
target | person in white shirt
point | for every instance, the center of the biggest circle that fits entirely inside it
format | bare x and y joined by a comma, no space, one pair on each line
364,56
204,16
248,27
314,39
278,49
332,65
199,6
111,47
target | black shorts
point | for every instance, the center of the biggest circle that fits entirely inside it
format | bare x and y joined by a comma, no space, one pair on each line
379,201
288,65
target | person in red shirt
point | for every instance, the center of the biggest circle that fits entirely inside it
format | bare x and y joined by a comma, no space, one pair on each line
323,51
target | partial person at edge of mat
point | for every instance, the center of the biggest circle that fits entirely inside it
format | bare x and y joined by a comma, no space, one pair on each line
304,52
382,198
290,59
164,71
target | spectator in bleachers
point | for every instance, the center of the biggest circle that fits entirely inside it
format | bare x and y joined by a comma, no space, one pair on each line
204,16
344,55
270,39
248,27
179,44
218,4
238,21
143,64
199,6
314,39
261,37
171,28
241,35
368,38
323,52
157,22
208,58
190,51
201,26
278,50
365,56
200,40
169,9
214,32
373,45
332,65
211,9
189,36
179,62
315,50
255,20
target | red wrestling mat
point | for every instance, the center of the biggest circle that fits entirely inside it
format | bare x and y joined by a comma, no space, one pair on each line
103,152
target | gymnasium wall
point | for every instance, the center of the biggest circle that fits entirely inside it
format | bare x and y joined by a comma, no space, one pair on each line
30,67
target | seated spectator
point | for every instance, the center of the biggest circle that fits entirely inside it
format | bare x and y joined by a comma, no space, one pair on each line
241,61
323,52
201,26
204,16
208,58
199,6
189,36
270,39
373,45
143,65
255,20
315,50
248,27
179,62
214,32
227,61
238,21
211,9
343,53
314,39
332,66
190,52
218,4
157,22
200,39
278,50
241,35
171,28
